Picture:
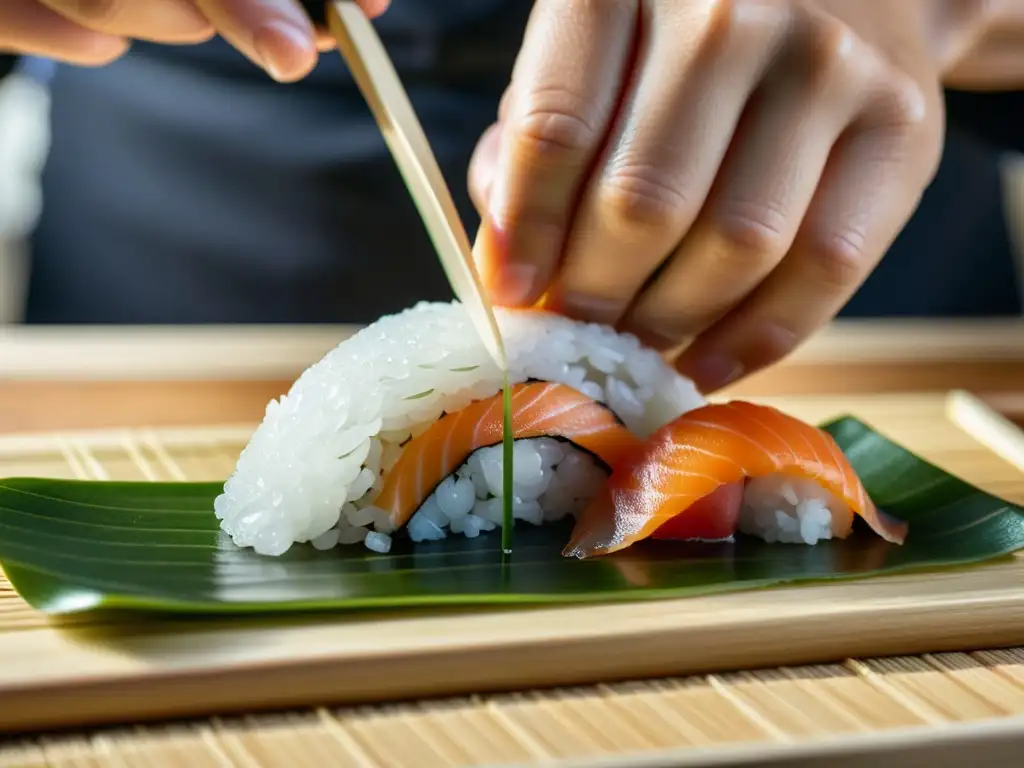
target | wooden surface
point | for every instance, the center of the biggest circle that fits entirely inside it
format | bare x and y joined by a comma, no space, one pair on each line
94,672
92,378
939,711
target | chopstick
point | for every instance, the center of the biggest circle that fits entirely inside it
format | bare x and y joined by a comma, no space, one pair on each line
381,87
991,429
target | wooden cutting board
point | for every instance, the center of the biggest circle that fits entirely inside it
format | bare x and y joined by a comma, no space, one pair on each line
90,671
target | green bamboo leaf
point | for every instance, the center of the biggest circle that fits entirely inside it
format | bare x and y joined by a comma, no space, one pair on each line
70,546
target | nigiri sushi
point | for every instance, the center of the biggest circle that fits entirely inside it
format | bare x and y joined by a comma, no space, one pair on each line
398,429
797,486
539,409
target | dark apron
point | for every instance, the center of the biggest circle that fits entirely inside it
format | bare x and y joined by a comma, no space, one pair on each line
184,186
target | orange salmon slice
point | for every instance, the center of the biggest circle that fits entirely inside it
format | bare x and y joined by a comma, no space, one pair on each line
539,409
692,457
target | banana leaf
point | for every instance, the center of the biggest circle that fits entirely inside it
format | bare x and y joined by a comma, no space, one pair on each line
71,546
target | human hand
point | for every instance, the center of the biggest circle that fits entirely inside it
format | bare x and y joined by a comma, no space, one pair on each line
710,174
277,35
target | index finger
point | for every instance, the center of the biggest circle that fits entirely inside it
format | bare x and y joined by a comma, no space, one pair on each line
166,21
27,27
276,35
565,89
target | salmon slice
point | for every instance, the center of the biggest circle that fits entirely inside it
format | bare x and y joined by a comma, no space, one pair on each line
690,458
539,409
712,518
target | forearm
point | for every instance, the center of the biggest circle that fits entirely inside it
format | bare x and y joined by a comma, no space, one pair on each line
982,44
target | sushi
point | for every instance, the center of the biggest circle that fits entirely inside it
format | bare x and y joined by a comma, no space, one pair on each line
398,429
539,409
728,466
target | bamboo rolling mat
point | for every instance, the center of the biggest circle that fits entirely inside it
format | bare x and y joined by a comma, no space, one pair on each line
90,673
879,708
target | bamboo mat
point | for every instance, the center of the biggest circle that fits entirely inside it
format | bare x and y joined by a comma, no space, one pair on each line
710,717
683,721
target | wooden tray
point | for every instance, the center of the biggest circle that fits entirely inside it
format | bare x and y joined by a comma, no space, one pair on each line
87,672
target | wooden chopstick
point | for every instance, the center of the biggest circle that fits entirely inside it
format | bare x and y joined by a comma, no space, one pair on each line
991,429
376,77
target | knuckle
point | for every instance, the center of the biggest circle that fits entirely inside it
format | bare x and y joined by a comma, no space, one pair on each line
753,229
555,122
839,258
641,195
98,12
898,120
827,50
904,104
737,30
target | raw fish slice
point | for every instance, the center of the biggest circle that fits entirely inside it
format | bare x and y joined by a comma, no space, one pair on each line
539,409
706,448
713,518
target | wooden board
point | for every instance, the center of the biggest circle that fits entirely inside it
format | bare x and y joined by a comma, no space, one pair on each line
91,672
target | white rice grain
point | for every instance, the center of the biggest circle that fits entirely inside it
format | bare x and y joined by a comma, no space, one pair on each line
781,509
378,542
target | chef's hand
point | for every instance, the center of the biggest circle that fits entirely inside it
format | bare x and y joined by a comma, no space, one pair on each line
275,34
715,174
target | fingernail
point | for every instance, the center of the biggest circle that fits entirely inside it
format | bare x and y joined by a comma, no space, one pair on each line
497,198
509,282
282,48
489,249
513,283
655,339
374,8
585,306
498,201
714,371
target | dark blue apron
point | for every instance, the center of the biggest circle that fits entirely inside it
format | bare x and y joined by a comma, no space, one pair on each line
184,186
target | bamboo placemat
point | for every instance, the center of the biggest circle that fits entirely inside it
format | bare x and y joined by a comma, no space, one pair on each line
784,707
732,719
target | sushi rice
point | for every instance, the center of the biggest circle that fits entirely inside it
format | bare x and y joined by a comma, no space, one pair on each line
313,468
788,510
